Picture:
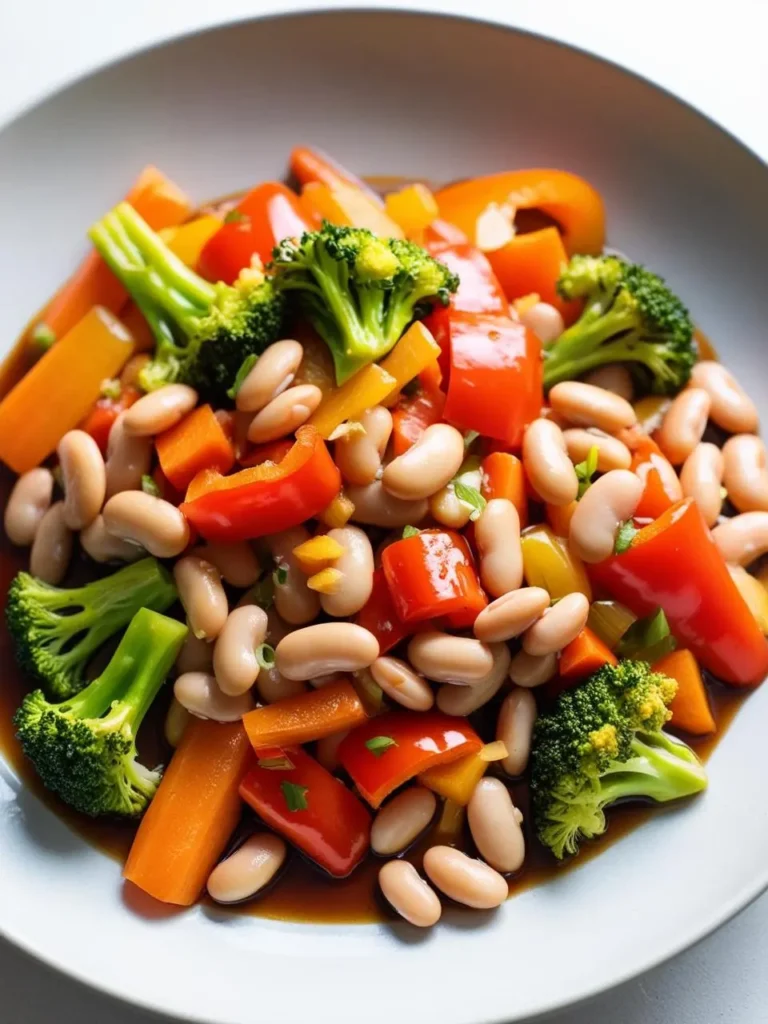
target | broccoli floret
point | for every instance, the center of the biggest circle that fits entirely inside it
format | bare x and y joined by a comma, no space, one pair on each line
56,631
630,316
601,743
203,331
359,291
84,750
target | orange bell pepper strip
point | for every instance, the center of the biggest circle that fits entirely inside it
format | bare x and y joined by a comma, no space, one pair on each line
60,389
690,705
162,205
390,749
312,165
348,205
432,574
533,262
673,564
456,781
349,401
503,477
379,615
649,463
100,420
306,717
584,656
198,442
572,203
265,216
312,809
193,814
266,498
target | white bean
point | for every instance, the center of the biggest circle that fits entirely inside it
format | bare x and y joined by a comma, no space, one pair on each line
29,501
427,466
684,424
199,693
514,728
272,373
159,410
356,568
464,700
450,659
84,478
611,452
151,522
408,893
546,463
402,820
101,546
742,539
374,506
608,503
271,685
560,624
235,664
52,546
449,510
731,407
531,670
325,648
494,822
613,377
294,601
398,680
545,320
359,456
248,870
585,405
511,615
285,413
237,562
129,459
701,478
745,474
497,533
202,595
465,880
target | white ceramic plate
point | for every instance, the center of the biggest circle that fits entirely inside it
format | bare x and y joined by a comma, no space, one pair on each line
217,112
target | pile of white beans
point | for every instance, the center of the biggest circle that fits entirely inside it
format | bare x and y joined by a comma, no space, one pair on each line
220,676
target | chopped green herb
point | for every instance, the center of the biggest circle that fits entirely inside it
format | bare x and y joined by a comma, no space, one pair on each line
278,763
43,337
236,217
470,436
245,368
280,575
410,531
111,388
149,486
626,533
470,496
647,639
379,745
295,795
263,592
265,656
586,470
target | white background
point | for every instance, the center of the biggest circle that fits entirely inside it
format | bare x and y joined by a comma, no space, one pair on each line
716,61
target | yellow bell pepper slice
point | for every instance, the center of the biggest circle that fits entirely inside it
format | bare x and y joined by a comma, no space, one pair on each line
317,553
347,205
187,240
338,513
413,208
327,581
457,780
366,389
549,563
415,351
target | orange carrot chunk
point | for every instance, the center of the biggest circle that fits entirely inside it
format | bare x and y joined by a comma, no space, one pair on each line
198,442
309,716
584,656
193,814
690,707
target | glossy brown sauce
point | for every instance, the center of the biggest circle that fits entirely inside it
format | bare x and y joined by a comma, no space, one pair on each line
303,892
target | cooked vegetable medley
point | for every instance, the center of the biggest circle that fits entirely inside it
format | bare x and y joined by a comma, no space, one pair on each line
413,498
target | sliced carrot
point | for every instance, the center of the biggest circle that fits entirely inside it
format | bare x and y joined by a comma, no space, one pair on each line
198,442
309,716
162,205
690,707
193,814
584,655
503,477
60,389
559,517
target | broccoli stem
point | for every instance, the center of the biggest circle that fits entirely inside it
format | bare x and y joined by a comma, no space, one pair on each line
659,768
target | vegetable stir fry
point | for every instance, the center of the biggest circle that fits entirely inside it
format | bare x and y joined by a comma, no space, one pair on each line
419,502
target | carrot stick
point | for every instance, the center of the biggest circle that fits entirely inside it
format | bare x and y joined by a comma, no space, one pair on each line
198,442
162,205
193,814
584,655
60,389
307,717
690,707
503,477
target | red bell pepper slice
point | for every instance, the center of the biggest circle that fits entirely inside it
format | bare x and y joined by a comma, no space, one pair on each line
268,214
270,451
99,421
495,383
311,809
414,413
656,497
379,616
443,231
673,564
269,497
433,574
387,751
479,290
